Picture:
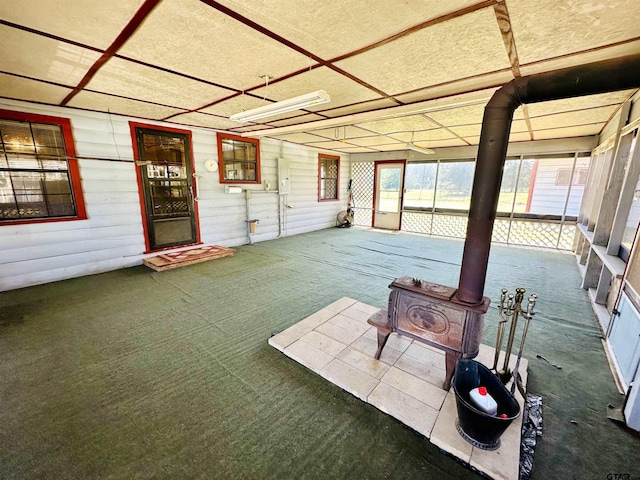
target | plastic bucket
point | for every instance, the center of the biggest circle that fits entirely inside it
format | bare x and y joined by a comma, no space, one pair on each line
475,426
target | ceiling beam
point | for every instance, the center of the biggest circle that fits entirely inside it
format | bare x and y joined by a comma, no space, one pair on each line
120,40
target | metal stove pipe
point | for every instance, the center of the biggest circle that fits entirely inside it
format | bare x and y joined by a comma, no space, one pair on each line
599,77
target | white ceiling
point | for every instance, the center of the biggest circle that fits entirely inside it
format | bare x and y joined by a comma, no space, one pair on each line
420,69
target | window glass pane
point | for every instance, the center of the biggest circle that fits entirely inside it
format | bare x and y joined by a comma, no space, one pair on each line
328,178
239,160
455,180
16,137
420,182
508,186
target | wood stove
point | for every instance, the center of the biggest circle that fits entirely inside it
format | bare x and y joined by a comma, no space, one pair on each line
430,313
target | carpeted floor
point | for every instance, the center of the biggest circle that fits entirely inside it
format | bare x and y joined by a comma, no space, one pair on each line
142,374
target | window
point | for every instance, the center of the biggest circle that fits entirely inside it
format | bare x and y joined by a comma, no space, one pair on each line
453,190
239,159
564,174
328,177
420,185
39,177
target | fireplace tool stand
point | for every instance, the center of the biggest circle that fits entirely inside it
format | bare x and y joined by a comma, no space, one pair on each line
510,309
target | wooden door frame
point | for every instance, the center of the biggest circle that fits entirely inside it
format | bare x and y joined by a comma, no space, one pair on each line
375,189
143,209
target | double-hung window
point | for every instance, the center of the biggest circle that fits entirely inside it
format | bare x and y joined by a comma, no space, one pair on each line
328,177
39,178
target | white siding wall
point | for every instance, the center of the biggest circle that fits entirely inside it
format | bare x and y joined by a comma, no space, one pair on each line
112,237
549,198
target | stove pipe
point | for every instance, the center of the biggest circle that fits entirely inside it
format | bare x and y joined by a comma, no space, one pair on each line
599,77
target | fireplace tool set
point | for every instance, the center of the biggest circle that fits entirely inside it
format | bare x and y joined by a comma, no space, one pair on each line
510,309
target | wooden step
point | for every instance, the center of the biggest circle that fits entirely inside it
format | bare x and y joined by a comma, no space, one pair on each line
167,261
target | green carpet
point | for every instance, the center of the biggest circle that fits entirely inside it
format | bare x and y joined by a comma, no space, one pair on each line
142,374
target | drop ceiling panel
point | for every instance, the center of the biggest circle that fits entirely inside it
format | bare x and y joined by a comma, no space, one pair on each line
434,55
401,124
578,103
372,141
578,131
615,51
342,132
193,38
342,90
358,108
25,89
578,117
550,28
478,86
92,23
467,130
108,103
41,58
129,79
203,120
425,136
465,115
329,145
341,27
298,138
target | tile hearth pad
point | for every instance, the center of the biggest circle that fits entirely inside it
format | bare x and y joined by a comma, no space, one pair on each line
406,383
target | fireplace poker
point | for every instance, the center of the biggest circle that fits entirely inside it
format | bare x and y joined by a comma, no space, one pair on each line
527,317
514,308
501,326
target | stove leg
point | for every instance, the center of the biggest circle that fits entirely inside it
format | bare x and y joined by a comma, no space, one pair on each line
383,336
450,360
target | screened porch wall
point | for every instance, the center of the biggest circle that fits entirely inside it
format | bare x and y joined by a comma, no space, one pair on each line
112,236
549,195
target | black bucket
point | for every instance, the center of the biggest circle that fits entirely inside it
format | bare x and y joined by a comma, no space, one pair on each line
477,427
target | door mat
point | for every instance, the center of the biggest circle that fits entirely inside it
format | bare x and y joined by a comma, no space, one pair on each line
167,261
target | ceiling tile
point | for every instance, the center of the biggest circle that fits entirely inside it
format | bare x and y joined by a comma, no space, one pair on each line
467,130
359,108
627,48
338,133
549,28
191,37
578,103
577,131
25,89
344,26
342,90
203,120
123,106
129,79
372,141
298,137
434,55
41,58
401,124
578,117
93,23
424,136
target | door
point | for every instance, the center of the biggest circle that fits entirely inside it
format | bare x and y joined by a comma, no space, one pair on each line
387,208
166,179
624,339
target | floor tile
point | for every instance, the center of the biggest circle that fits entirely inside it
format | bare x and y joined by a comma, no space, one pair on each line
364,363
308,356
349,378
323,343
413,413
428,372
285,338
341,304
370,347
365,308
356,314
416,387
445,434
338,333
348,323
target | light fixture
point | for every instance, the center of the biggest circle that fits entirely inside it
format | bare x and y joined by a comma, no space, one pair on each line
426,151
284,106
